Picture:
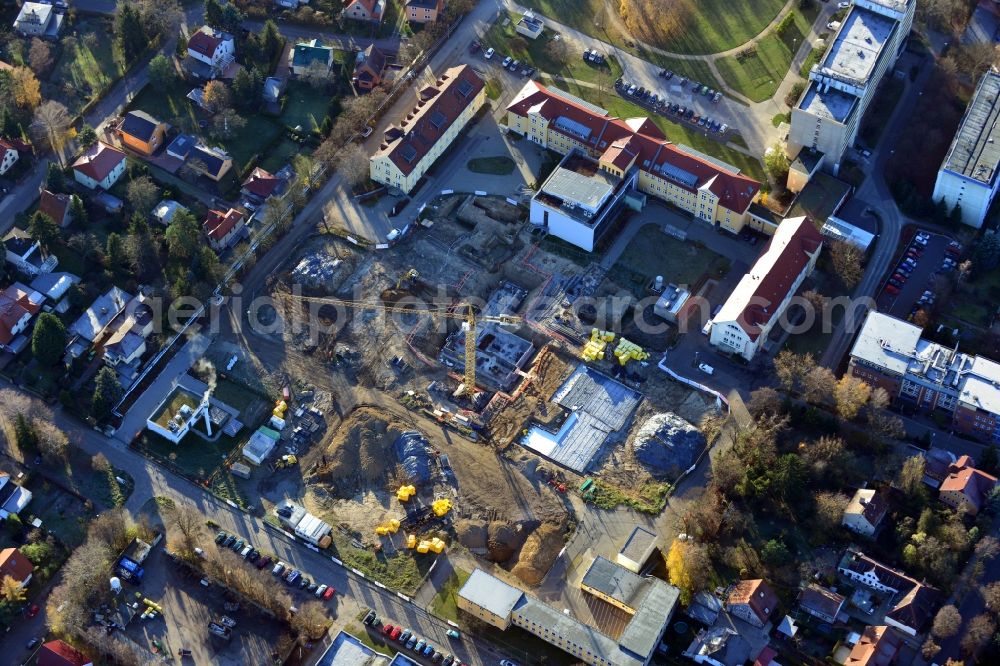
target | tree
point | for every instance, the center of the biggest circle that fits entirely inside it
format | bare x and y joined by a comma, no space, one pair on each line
43,229
847,262
159,17
311,620
271,42
826,458
305,170
187,526
25,87
688,565
911,477
775,553
988,461
227,123
161,72
947,622
39,56
929,649
791,368
86,137
986,254
77,211
142,194
11,590
829,512
25,435
55,179
183,237
107,392
130,35
48,340
978,633
217,96
764,401
850,394
51,122
213,13
818,385
52,442
352,165
318,75
776,163
114,250
246,88
991,596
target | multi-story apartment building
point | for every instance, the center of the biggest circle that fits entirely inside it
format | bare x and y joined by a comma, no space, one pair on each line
635,150
841,86
968,176
442,111
890,353
747,317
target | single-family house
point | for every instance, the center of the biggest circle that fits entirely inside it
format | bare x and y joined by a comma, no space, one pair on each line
141,132
223,229
58,653
821,603
56,206
423,11
365,10
15,565
53,286
123,339
274,88
865,512
752,600
18,305
181,146
915,603
13,498
26,254
101,165
165,210
310,56
86,329
209,53
261,185
966,488
878,646
369,67
8,155
38,19
213,163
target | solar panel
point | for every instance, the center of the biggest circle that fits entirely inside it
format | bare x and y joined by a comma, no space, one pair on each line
409,153
573,127
680,175
464,88
438,119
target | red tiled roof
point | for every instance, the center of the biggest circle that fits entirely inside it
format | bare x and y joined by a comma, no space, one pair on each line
371,61
14,304
971,482
436,111
58,653
261,183
622,152
369,6
774,274
735,191
205,41
14,564
766,657
218,224
755,593
54,205
878,647
99,160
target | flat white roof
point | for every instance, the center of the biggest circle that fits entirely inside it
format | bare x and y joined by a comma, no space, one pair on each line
490,593
858,45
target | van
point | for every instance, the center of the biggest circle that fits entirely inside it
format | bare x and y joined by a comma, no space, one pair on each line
707,328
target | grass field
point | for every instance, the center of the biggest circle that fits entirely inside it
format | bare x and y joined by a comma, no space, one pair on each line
85,71
758,74
697,139
644,258
306,106
443,604
497,166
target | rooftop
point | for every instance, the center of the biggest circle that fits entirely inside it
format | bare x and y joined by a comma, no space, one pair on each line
491,593
831,103
821,600
98,161
869,503
347,650
139,124
579,188
820,198
174,404
975,152
615,581
100,313
858,45
639,544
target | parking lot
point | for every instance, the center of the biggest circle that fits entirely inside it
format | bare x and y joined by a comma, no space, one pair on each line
903,297
694,96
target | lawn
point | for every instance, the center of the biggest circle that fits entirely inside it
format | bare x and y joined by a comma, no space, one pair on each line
757,73
976,300
698,139
281,154
403,572
652,252
649,498
497,166
85,71
194,457
548,55
443,604
306,106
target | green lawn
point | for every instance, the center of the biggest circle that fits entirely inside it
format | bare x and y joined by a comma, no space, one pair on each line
402,572
758,73
698,139
646,256
85,71
281,154
443,604
497,166
306,106
493,88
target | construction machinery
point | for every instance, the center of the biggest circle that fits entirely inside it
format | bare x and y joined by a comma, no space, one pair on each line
462,312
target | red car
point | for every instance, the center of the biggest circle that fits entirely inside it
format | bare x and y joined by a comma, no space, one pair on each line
889,289
899,276
395,633
387,629
33,611
328,593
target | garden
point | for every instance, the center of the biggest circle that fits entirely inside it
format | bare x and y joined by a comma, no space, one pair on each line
645,257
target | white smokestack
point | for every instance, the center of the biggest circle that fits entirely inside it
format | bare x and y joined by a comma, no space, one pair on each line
208,418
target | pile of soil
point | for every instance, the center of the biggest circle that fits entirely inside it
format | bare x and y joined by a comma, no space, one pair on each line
503,540
472,534
360,451
538,553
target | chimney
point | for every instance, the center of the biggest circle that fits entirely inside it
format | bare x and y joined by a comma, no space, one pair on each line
208,419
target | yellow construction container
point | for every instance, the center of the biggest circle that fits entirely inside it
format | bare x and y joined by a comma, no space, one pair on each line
381,530
411,541
393,525
441,507
423,546
405,493
280,408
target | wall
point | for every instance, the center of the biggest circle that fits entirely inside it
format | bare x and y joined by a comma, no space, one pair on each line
973,196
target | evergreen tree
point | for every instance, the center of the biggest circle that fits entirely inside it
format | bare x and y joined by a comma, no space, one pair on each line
107,392
955,217
77,211
130,35
271,42
114,251
213,13
25,435
43,229
48,340
55,179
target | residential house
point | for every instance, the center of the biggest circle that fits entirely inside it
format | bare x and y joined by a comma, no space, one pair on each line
209,53
530,26
966,488
123,339
752,600
423,11
365,10
181,146
38,19
261,185
86,329
746,319
865,512
26,254
223,229
878,646
53,286
13,498
915,605
213,163
890,353
937,466
141,132
56,206
100,165
15,565
165,210
8,155
821,603
410,148
369,67
310,56
58,653
18,306
274,88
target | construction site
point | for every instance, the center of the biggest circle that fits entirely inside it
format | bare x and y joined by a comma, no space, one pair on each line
471,376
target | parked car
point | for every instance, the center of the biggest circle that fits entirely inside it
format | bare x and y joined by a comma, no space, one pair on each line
369,617
899,276
716,97
514,65
262,561
228,543
292,576
328,593
238,546
722,130
245,551
452,633
448,661
489,53
843,5
405,636
395,633
437,657
896,283
419,647
33,610
506,62
32,643
706,368
318,592
889,289
220,537
304,583
428,650
279,568
388,629
410,643
631,90
507,662
474,46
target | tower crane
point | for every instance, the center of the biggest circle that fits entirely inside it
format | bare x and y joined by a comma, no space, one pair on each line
462,312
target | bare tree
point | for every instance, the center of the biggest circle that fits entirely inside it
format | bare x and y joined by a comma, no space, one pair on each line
991,595
978,633
186,526
911,476
142,194
311,620
851,394
227,123
947,622
51,123
764,401
52,441
829,510
352,164
791,368
847,261
113,528
160,16
929,649
39,56
818,385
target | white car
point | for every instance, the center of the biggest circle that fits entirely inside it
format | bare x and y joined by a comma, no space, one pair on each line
489,53
506,62
843,5
706,368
